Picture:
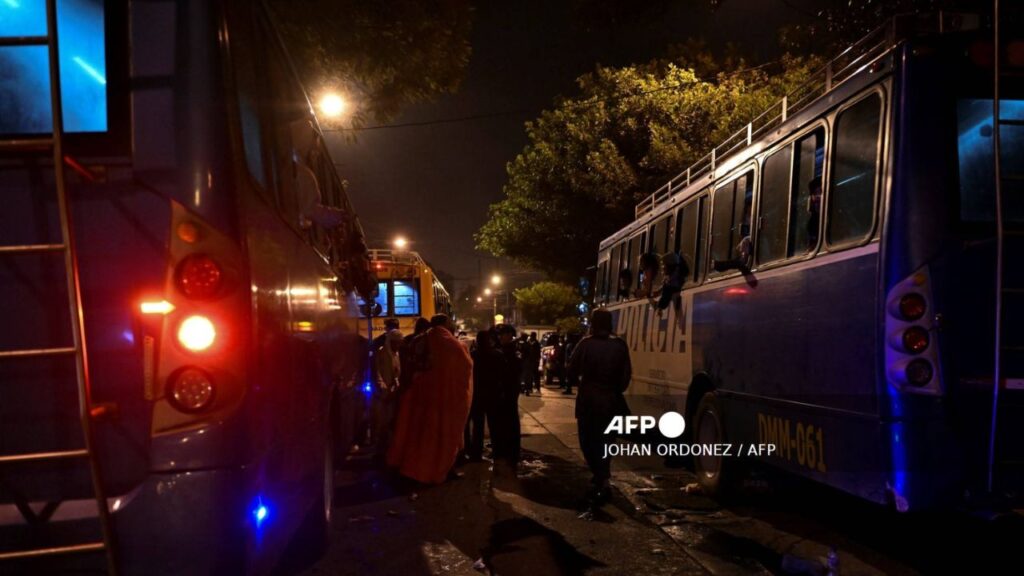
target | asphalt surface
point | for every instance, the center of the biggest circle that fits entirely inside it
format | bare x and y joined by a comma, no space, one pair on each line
492,522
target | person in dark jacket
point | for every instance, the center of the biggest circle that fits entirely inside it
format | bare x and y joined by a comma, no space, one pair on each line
487,365
600,363
505,435
410,364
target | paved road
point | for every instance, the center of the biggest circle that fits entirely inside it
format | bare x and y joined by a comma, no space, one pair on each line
529,524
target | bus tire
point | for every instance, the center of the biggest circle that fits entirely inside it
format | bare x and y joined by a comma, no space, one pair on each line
713,472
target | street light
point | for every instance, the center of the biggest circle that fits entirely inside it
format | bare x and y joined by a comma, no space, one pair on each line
400,243
332,105
487,291
496,279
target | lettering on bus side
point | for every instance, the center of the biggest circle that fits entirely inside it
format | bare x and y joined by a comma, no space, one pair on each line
795,441
647,329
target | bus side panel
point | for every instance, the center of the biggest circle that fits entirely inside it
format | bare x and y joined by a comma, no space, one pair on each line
801,339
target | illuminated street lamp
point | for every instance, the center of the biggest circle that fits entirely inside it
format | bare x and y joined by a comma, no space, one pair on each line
496,280
400,243
332,105
487,291
479,299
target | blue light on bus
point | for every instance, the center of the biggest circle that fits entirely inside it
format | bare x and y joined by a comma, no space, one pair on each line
24,70
260,512
367,388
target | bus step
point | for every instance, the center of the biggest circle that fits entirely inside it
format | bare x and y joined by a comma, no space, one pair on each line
24,41
36,352
26,145
37,456
54,551
31,248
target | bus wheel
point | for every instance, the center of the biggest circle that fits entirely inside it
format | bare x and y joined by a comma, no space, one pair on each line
708,429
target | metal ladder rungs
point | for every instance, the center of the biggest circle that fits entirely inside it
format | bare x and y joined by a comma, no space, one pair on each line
31,248
24,41
26,145
34,353
54,551
38,456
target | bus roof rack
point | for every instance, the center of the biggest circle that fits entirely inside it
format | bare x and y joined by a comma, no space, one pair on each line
388,256
859,56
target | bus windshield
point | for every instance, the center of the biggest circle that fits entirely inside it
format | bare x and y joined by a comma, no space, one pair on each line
976,159
24,70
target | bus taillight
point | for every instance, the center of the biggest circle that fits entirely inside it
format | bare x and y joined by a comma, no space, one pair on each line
915,339
191,390
197,333
199,277
912,306
919,372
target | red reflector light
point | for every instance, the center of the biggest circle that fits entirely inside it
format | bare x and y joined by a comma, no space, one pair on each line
199,277
191,390
919,372
197,333
915,339
912,306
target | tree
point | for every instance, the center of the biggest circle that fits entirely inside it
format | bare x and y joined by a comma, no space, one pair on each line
591,158
546,302
385,53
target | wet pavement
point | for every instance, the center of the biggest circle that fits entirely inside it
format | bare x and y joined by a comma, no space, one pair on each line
489,521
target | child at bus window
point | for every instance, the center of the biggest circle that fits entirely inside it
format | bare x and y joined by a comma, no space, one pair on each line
676,272
813,211
648,270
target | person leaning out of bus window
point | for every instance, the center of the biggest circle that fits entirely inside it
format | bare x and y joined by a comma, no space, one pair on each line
813,211
743,254
625,284
305,148
648,271
676,272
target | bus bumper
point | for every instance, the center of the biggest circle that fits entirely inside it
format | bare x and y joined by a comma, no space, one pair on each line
183,523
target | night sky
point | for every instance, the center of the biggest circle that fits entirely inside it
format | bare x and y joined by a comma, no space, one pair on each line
433,183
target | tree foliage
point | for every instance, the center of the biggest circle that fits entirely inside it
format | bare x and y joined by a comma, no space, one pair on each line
591,158
546,302
385,54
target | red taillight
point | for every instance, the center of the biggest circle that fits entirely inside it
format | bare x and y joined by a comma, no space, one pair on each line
919,372
197,333
915,339
912,306
199,277
190,390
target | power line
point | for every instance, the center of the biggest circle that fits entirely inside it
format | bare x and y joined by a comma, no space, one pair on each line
534,111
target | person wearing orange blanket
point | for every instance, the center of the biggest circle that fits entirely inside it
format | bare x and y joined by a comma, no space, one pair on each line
432,412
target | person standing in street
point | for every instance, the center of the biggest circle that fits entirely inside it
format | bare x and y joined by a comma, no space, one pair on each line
432,414
533,359
386,392
487,364
506,434
600,363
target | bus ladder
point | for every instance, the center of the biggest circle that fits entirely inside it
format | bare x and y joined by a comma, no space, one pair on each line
1004,291
87,412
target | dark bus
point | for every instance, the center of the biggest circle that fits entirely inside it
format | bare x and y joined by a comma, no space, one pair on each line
842,254
177,313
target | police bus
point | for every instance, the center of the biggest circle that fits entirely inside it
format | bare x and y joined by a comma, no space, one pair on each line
839,295
407,289
178,290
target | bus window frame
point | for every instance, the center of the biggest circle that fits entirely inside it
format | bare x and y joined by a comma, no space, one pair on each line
640,237
824,240
601,285
751,166
791,141
699,201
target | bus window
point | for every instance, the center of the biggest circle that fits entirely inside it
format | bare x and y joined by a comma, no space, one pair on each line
383,288
805,210
851,203
689,237
659,236
773,215
407,298
730,226
25,84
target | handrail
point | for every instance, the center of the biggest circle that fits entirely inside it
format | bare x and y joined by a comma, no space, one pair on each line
835,72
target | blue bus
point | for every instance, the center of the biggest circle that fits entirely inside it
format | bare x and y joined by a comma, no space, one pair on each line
179,278
838,288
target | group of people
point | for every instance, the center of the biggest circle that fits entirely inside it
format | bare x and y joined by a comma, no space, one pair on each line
433,399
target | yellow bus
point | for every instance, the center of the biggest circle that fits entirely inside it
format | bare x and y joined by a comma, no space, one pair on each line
407,289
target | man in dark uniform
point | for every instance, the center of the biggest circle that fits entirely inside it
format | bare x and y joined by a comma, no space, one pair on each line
600,363
506,436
